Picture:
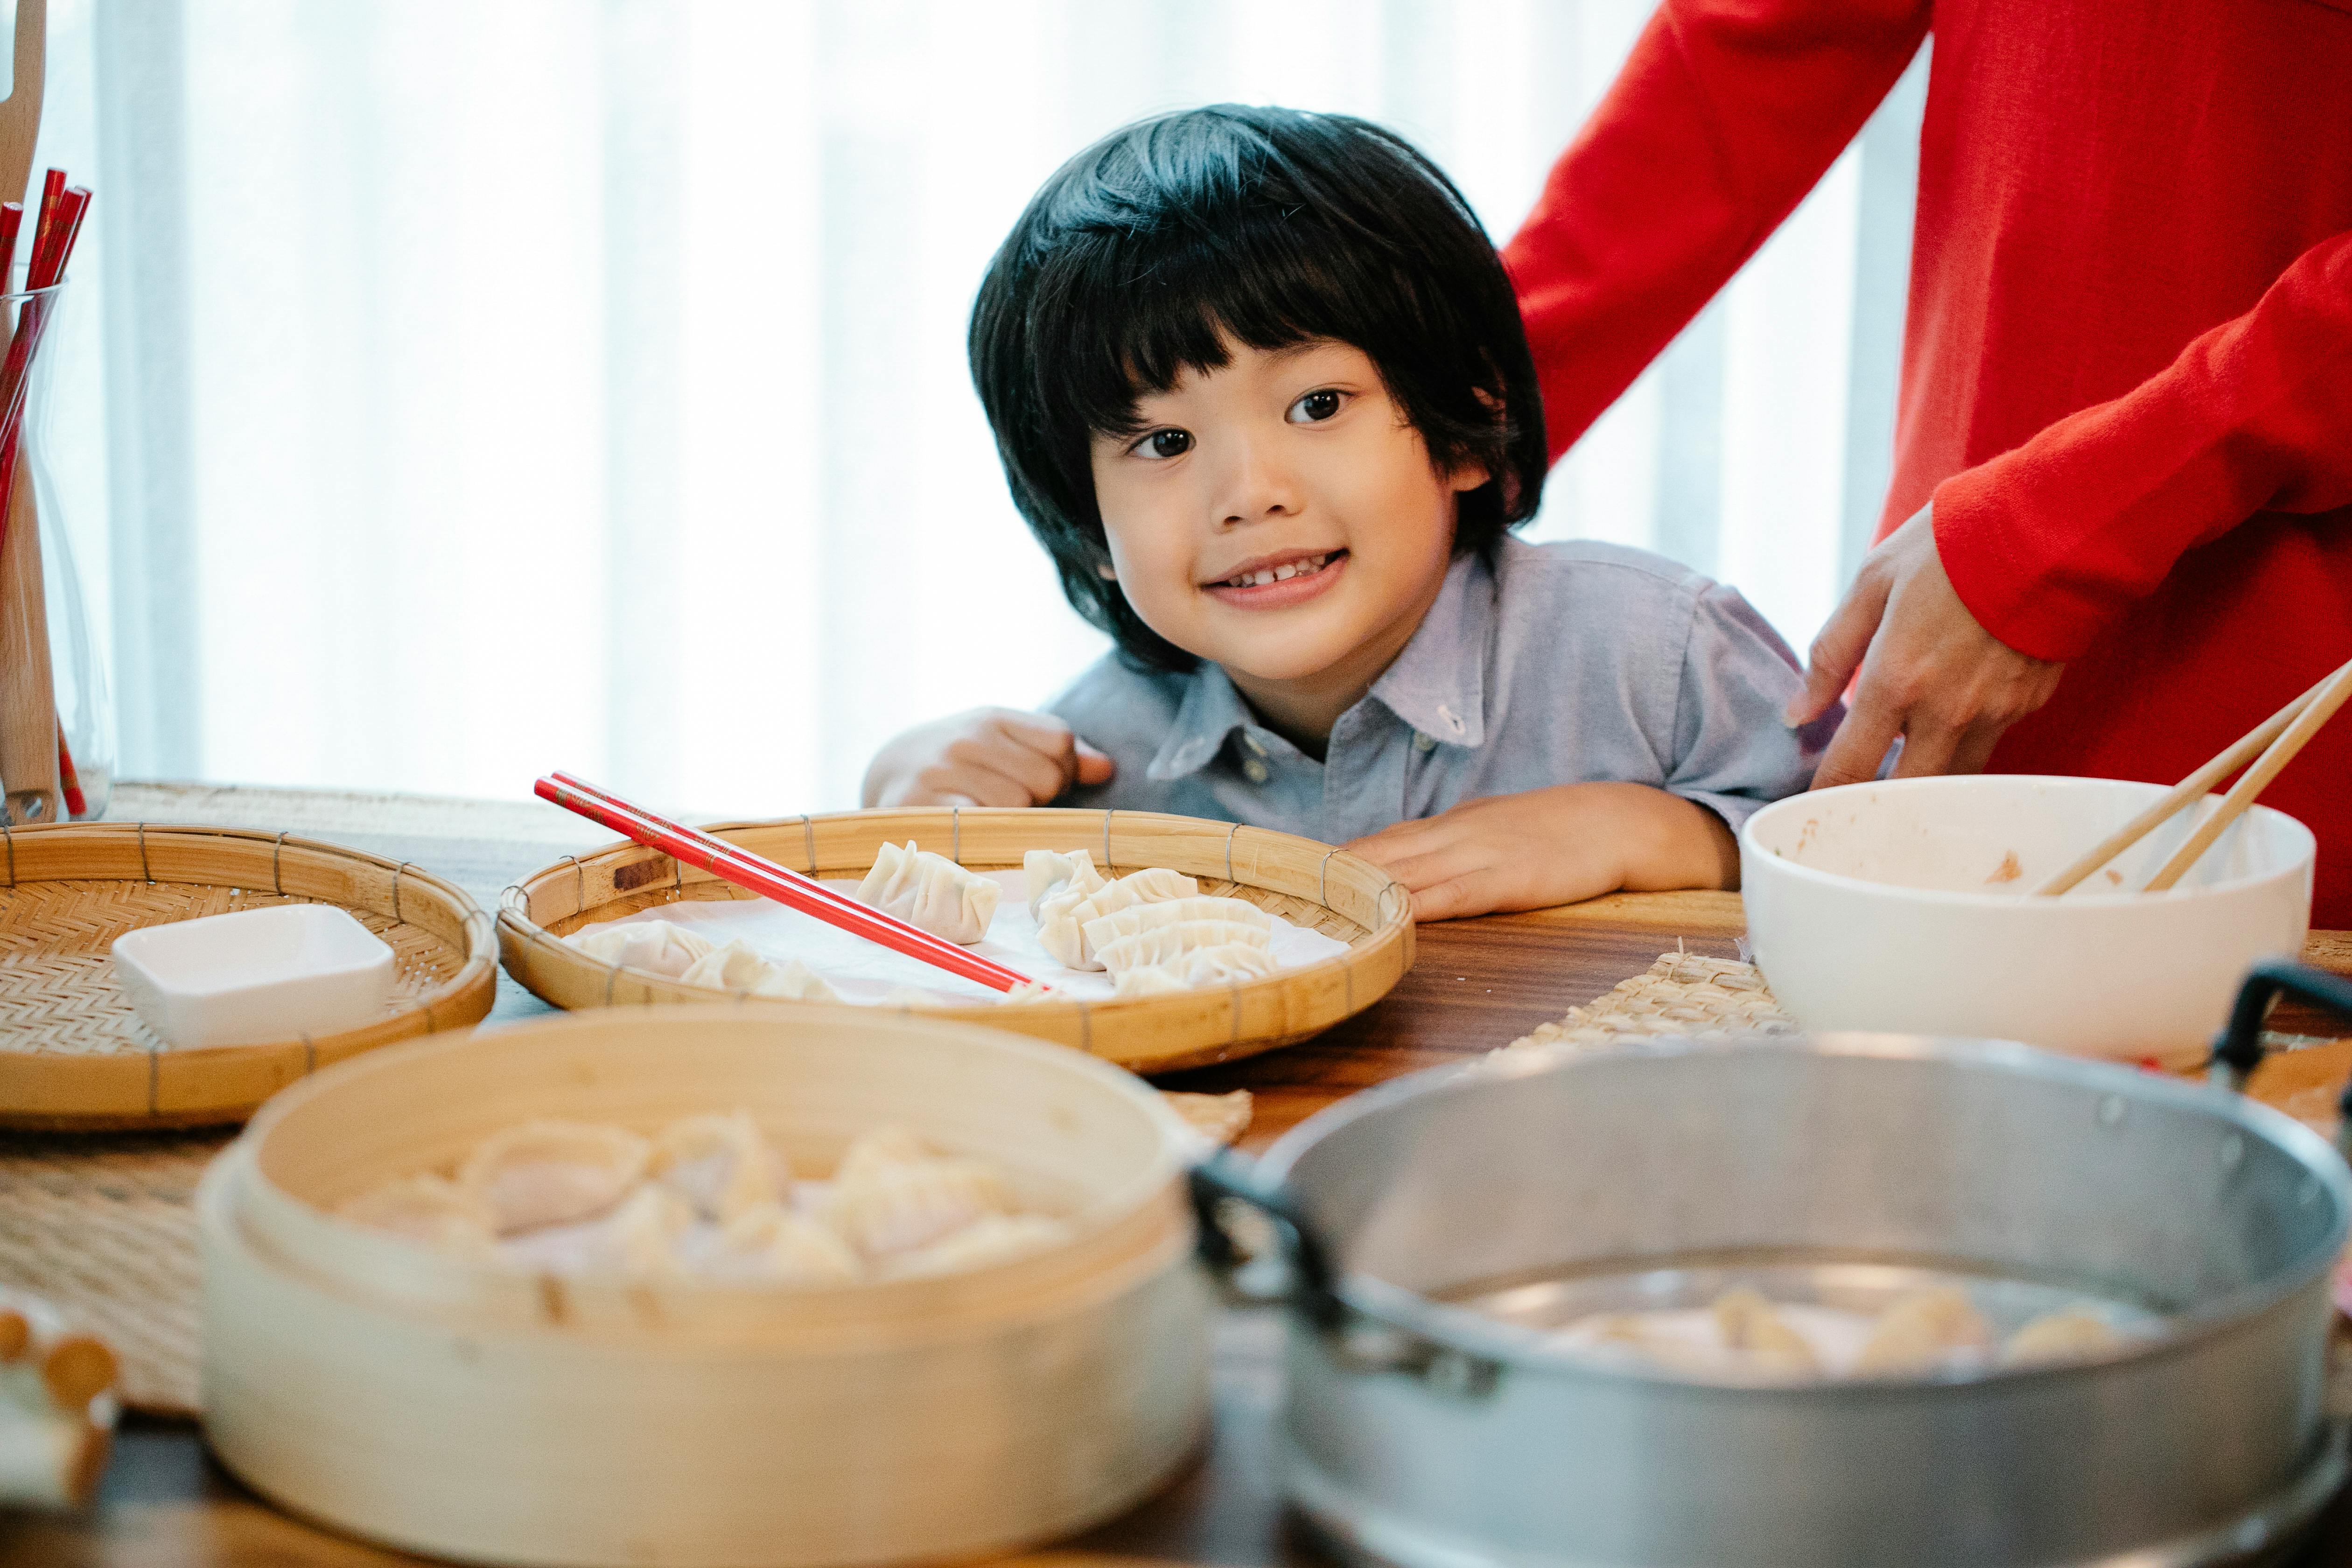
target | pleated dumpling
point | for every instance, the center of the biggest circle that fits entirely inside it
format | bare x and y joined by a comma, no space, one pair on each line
1919,1331
1753,1326
773,1244
720,1164
432,1210
552,1172
1147,980
641,1240
891,1194
930,891
1061,928
1168,943
1051,874
1138,918
990,1238
2070,1334
659,947
742,969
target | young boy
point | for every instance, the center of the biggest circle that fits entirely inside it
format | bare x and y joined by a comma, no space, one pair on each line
1261,390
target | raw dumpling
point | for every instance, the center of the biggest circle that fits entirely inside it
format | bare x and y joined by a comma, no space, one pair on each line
1101,932
990,1238
1049,873
640,1241
2061,1336
429,1209
742,969
1147,980
1169,942
1029,991
930,891
774,1245
1918,1332
1223,965
892,1195
1753,1326
720,1164
1061,928
661,947
552,1172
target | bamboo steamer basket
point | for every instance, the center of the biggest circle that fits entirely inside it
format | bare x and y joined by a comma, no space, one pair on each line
1305,882
73,1054
456,1408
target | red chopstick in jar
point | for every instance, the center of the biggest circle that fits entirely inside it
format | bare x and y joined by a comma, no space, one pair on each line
764,876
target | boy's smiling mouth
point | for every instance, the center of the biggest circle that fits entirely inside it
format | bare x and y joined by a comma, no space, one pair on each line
1278,581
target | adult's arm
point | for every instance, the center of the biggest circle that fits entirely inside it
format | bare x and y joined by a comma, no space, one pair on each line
2048,543
1726,112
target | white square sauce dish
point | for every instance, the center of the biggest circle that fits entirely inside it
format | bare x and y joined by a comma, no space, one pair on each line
255,976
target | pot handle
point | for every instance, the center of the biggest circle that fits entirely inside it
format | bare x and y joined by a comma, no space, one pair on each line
1225,1175
2238,1050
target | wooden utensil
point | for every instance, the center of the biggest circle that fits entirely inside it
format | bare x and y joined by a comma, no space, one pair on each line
2276,738
28,706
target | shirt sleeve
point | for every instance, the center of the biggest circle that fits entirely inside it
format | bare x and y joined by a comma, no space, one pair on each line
1732,752
2048,543
1725,115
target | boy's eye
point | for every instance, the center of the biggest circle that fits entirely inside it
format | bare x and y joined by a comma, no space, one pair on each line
1315,407
1163,444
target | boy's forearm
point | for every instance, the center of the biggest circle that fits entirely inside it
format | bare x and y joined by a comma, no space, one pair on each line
1667,842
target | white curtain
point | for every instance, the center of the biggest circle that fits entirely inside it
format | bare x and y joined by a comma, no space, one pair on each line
480,387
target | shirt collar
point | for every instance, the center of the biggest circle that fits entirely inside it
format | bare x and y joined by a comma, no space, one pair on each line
1438,684
1211,711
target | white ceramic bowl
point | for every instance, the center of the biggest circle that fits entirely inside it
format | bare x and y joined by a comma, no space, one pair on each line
1902,907
255,976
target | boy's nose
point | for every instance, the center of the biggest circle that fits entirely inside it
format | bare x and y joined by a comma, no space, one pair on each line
1256,485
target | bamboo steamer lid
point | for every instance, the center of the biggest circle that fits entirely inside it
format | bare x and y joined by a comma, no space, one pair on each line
459,1409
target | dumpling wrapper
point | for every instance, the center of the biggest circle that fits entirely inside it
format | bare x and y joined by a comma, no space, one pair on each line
1168,943
1107,929
773,1244
553,1172
892,1195
1050,873
1147,980
659,947
744,970
990,1238
432,1210
1061,928
930,891
720,1164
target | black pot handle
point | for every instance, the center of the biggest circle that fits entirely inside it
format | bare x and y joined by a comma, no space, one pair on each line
2238,1050
1225,1175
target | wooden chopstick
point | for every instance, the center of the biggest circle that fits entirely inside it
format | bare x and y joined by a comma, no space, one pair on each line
764,876
2322,707
2196,786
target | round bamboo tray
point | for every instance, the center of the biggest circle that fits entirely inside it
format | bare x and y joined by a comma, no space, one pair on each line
464,1409
1305,882
73,1055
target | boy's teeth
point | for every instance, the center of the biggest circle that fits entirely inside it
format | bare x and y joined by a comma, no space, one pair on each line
1278,574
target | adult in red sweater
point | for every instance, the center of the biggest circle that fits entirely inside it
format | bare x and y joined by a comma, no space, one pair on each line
2119,531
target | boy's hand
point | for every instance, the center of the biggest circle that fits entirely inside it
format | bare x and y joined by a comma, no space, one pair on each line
1555,845
989,756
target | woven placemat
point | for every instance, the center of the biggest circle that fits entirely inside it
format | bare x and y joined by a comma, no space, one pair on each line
104,1228
1683,994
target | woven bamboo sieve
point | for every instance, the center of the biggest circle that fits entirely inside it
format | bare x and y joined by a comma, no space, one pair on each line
73,1055
1305,882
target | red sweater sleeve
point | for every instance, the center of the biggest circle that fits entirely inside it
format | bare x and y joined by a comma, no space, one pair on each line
1725,115
2048,543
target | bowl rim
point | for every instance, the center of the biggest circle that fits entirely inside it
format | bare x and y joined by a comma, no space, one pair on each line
1468,1329
2300,864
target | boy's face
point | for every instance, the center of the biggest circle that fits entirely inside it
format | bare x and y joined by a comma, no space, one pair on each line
1279,517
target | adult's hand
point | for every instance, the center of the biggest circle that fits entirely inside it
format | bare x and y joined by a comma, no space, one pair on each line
1930,673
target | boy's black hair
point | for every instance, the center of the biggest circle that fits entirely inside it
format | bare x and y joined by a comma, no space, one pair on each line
1272,225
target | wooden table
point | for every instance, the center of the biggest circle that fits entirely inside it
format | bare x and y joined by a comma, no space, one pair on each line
1477,985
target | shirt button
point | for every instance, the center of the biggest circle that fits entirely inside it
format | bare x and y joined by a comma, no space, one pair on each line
1256,748
1256,772
1452,719
1424,744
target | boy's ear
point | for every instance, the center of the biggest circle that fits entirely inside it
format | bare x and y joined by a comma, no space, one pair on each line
1467,477
1106,572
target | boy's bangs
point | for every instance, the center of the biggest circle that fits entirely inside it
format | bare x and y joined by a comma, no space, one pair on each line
1147,307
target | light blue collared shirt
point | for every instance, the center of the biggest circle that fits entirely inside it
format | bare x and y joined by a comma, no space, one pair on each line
1558,663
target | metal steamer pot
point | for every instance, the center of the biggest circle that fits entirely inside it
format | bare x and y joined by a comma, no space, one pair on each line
1435,1228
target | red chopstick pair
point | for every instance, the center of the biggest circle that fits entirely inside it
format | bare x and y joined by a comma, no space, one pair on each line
733,864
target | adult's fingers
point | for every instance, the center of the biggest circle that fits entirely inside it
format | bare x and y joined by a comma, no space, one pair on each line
1928,746
1975,749
1838,651
1860,743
